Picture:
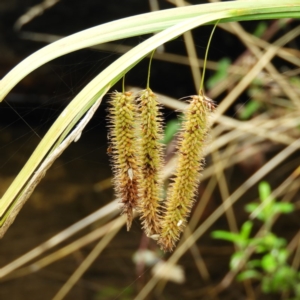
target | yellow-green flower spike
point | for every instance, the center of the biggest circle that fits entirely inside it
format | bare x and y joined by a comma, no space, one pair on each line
151,161
183,189
122,135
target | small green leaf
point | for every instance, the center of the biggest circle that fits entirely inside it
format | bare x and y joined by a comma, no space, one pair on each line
246,230
249,274
236,259
283,279
264,190
251,207
283,207
272,241
261,248
267,212
282,256
281,242
269,263
254,263
225,235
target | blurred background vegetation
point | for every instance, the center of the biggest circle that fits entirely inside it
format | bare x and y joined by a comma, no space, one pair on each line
260,121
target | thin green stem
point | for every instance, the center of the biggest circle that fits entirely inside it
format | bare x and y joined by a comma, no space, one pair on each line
149,69
205,58
123,84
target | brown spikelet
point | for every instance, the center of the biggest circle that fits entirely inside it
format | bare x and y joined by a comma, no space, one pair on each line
124,150
182,191
151,161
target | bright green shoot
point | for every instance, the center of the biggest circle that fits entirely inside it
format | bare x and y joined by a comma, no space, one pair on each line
268,208
270,266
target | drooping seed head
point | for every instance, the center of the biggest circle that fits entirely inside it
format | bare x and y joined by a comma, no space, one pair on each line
183,189
124,149
151,161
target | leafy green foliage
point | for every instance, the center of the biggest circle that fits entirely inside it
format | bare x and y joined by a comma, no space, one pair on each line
268,208
240,239
270,265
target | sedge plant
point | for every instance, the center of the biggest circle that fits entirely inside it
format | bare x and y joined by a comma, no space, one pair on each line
170,24
135,134
137,160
